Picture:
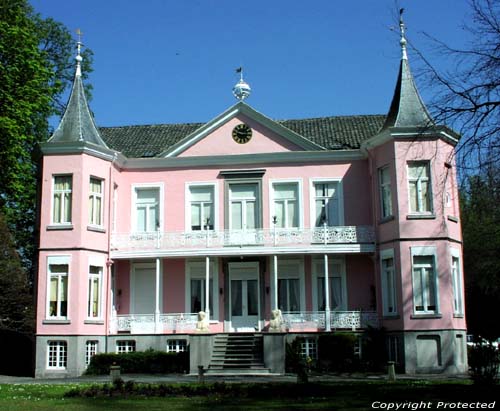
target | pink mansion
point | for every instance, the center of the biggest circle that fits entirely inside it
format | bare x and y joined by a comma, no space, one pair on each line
250,231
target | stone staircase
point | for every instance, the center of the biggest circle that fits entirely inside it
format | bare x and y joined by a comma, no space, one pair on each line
237,354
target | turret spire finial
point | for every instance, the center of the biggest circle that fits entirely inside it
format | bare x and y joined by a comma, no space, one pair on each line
241,90
78,57
402,42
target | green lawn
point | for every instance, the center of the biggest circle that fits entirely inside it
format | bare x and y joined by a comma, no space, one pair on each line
333,396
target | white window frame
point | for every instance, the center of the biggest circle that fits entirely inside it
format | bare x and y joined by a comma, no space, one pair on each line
457,281
126,346
340,192
258,203
300,202
199,266
296,272
91,349
309,348
62,192
93,196
176,345
99,263
58,260
161,203
420,210
317,273
387,293
215,188
426,252
151,265
383,187
60,353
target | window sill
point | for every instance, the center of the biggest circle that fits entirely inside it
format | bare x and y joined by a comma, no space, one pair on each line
62,321
386,219
421,217
391,317
96,228
458,316
425,316
96,322
453,218
55,227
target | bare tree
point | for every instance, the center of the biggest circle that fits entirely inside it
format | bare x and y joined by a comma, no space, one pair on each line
467,96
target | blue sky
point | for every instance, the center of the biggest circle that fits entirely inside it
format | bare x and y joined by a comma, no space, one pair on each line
173,61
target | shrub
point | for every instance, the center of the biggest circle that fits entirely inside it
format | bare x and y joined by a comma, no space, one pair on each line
147,362
336,352
484,363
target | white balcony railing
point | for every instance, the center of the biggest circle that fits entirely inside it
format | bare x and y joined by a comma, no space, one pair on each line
149,324
195,240
292,321
316,320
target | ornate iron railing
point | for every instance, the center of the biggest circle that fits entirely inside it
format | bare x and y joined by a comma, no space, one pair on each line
316,320
149,324
237,238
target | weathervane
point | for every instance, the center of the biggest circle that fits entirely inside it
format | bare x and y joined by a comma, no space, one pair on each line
78,57
402,42
241,90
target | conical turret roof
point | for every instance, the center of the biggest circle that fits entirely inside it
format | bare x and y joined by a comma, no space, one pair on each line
77,123
407,108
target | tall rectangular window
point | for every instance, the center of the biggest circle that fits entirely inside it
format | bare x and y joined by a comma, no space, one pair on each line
385,191
198,300
202,207
95,201
289,294
90,350
196,297
424,284
419,187
388,282
147,209
62,199
94,292
326,203
456,275
286,205
244,206
57,355
58,291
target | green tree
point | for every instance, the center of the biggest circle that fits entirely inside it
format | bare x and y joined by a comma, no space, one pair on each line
480,213
467,94
16,303
36,68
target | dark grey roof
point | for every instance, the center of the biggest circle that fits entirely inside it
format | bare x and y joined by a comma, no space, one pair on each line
77,124
407,108
332,133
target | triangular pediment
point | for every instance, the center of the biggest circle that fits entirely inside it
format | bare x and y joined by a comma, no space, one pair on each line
216,136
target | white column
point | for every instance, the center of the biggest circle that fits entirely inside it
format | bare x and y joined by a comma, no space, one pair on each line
207,287
275,282
327,296
157,296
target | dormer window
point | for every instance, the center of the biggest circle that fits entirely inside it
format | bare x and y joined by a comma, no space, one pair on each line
62,199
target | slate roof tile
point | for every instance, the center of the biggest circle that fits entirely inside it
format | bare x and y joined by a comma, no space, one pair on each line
333,133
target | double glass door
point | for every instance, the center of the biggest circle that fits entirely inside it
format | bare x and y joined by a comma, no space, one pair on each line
244,299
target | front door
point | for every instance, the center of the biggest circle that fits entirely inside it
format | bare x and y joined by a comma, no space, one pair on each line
244,296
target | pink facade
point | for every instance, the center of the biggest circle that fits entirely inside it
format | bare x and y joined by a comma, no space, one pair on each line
243,216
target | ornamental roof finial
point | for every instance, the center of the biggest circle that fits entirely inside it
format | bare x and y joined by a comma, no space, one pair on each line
241,90
78,57
403,41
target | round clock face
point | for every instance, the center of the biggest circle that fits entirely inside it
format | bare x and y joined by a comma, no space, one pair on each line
242,133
